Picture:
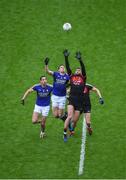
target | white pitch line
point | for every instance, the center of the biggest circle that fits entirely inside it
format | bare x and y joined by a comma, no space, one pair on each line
82,153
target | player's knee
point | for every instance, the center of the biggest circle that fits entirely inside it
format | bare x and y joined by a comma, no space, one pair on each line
70,116
34,121
55,114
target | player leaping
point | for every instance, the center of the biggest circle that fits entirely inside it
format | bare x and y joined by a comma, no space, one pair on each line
42,105
77,84
87,107
60,79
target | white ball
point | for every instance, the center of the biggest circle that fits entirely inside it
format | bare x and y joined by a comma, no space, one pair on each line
67,27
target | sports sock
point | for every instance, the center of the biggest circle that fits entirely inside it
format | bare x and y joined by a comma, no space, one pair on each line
65,132
71,128
42,128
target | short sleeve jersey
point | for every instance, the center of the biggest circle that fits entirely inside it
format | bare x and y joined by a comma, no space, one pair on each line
43,94
77,83
59,85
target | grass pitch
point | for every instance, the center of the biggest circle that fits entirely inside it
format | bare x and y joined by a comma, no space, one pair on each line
31,30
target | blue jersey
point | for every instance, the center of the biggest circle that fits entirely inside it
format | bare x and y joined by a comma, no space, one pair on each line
43,94
59,85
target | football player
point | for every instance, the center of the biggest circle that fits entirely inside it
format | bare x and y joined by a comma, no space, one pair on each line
87,107
60,80
42,105
77,84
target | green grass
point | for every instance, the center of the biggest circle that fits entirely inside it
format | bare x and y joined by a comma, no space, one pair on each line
31,30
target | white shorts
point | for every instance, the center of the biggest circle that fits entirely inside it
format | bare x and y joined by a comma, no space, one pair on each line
58,101
44,110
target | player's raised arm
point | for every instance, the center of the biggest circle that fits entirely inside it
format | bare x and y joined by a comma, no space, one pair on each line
78,56
66,54
46,62
28,91
101,101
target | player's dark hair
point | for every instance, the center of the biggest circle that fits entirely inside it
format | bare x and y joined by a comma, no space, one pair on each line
42,77
78,68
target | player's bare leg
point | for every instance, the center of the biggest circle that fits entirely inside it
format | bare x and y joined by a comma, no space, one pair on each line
43,122
62,115
88,122
55,111
76,118
60,112
74,122
70,109
35,117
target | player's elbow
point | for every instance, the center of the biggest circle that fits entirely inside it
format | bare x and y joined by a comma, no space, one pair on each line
29,90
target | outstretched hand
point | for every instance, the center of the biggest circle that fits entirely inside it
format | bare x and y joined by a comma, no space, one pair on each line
46,61
101,101
78,55
22,102
66,53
